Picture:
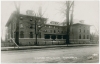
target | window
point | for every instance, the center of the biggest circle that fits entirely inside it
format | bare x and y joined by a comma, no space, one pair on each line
58,27
21,18
31,34
44,21
59,37
30,19
64,36
39,21
49,26
87,36
31,26
54,26
72,30
54,31
47,36
84,31
79,36
58,31
80,30
14,26
45,30
21,25
61,31
84,37
51,30
21,34
14,34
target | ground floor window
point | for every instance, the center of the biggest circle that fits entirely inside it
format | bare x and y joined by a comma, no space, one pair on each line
59,37
87,36
47,36
21,34
53,36
31,34
79,36
64,36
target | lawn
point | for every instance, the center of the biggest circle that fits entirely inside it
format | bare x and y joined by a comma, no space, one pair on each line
80,54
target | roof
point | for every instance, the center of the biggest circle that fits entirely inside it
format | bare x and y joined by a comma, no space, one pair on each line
55,25
80,24
12,16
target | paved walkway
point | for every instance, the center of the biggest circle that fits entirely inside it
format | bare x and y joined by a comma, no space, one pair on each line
45,46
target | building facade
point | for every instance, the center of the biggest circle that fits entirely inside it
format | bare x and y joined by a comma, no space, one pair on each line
47,34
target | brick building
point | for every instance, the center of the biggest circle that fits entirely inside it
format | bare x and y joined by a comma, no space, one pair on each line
48,33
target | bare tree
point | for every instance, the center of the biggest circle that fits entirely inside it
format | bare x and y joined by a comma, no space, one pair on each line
37,24
69,4
17,23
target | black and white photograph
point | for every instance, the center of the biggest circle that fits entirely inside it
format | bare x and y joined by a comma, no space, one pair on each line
50,31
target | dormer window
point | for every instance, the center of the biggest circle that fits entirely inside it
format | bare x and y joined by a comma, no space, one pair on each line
21,25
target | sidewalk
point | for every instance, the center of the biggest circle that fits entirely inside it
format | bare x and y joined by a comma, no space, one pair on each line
45,46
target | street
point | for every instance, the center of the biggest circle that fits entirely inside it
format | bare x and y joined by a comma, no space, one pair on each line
80,54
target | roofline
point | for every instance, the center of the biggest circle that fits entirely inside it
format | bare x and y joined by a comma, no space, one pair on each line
80,24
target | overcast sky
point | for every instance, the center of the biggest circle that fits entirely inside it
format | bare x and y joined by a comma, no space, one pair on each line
83,10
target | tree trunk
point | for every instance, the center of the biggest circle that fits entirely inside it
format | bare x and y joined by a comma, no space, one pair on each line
36,40
17,30
67,21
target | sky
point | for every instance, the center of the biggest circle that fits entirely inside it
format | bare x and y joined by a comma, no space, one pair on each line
53,10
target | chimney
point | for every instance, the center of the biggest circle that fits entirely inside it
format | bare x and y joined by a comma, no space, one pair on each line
81,21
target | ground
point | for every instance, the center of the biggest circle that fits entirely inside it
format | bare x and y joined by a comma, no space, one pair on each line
75,54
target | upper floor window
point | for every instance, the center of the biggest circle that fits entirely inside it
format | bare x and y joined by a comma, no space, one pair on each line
80,30
45,30
21,34
84,37
51,30
54,26
87,36
84,31
58,31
